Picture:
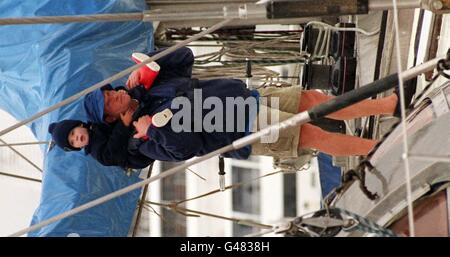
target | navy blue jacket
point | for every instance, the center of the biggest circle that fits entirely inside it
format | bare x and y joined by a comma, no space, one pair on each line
109,145
175,80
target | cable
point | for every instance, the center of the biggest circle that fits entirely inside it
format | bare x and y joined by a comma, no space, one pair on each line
316,47
403,123
141,202
26,143
73,18
232,186
21,155
342,29
20,177
185,211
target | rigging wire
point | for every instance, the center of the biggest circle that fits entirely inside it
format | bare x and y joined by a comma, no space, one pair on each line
187,212
26,143
20,177
141,202
232,186
21,155
403,123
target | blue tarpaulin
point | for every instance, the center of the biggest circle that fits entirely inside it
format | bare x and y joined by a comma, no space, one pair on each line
330,176
40,65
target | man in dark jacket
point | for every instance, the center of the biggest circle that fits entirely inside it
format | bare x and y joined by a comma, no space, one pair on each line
168,143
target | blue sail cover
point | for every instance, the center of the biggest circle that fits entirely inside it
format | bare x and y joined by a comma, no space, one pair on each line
330,176
41,65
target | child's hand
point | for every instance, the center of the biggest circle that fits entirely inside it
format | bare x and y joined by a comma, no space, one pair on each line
133,80
142,126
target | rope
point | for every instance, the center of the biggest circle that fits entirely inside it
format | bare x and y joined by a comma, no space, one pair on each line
184,211
330,222
230,34
238,40
115,77
367,225
260,61
327,26
21,155
267,53
219,71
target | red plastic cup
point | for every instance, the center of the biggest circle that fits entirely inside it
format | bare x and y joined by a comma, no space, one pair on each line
148,72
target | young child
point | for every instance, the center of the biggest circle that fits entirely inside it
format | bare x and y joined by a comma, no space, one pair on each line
109,145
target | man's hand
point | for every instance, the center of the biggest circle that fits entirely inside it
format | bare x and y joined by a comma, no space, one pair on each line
127,117
133,79
142,126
